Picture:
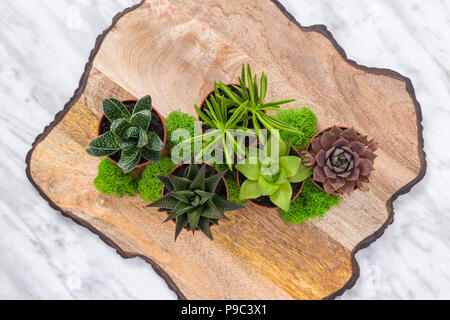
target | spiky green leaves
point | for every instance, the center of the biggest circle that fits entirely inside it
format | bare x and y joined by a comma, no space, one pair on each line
128,134
193,201
272,173
251,99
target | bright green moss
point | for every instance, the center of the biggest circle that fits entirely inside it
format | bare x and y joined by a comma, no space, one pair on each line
311,203
149,186
179,120
112,180
304,120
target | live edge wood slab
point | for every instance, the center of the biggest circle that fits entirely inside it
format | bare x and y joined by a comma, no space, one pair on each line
174,50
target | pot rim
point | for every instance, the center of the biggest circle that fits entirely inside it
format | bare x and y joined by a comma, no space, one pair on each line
274,207
103,117
309,145
203,162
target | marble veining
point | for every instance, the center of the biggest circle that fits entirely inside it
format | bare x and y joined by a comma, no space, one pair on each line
44,46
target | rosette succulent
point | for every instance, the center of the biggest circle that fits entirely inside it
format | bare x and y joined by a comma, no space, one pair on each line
192,199
271,174
342,159
128,134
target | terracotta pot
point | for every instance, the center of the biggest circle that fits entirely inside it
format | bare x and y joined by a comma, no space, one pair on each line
318,185
187,163
294,197
103,118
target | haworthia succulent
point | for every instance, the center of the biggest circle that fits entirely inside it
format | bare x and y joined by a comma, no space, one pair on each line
128,134
198,204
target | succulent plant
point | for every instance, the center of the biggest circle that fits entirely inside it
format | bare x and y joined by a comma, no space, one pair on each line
255,108
193,201
342,159
271,174
128,134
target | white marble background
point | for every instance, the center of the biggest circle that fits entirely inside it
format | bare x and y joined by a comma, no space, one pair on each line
44,45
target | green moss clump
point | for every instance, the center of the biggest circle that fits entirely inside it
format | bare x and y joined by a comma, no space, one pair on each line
149,186
233,189
179,120
304,120
112,180
312,202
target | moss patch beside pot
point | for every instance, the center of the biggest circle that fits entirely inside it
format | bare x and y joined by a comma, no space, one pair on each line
112,180
150,186
302,119
311,203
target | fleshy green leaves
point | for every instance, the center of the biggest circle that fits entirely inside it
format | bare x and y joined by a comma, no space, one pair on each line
114,109
193,200
129,159
272,174
282,197
128,133
104,145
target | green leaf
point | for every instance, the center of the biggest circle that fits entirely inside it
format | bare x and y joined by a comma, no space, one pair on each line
225,205
199,181
191,172
166,202
141,119
120,126
183,196
267,188
154,142
150,155
180,209
143,139
181,223
132,132
127,144
210,210
180,183
250,190
204,226
129,159
302,174
114,109
282,197
194,217
204,196
166,182
212,182
144,104
250,170
290,164
104,145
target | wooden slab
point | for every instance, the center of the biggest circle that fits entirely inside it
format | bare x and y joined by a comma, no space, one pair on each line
174,50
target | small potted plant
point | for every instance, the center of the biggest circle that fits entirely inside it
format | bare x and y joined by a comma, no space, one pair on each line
131,133
342,160
195,198
273,178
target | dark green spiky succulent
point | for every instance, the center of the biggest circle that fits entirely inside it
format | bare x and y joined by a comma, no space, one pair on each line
128,134
193,200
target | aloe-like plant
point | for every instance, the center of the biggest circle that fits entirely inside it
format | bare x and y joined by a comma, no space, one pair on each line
128,134
253,98
193,201
226,131
271,174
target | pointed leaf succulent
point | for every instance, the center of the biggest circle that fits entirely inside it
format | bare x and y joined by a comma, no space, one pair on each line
192,200
128,134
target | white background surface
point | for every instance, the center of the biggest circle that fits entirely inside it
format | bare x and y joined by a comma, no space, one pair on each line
44,46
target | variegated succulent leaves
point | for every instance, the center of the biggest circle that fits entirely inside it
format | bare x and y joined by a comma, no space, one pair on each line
128,134
342,159
193,200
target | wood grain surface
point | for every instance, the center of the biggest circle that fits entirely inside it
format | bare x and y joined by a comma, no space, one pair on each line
174,50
